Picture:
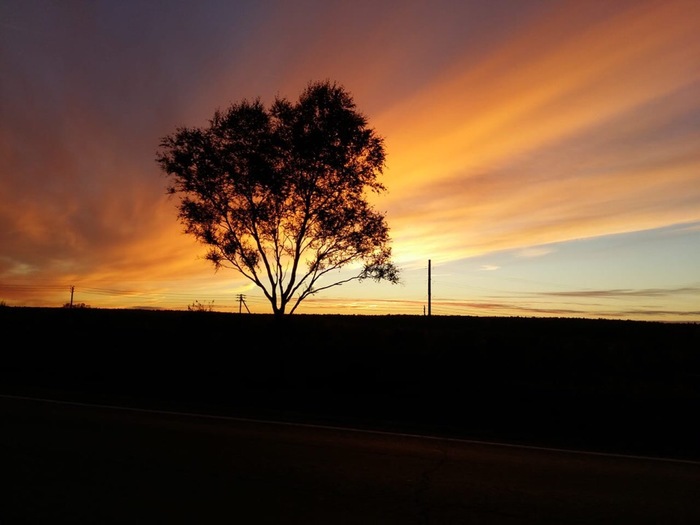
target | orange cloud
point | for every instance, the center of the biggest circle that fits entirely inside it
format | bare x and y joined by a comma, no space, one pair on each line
463,153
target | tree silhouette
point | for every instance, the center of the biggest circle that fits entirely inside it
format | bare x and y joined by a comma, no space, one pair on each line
280,193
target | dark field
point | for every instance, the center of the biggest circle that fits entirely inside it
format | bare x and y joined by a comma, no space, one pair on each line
615,386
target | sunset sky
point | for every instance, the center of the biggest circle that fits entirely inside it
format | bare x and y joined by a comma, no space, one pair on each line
543,155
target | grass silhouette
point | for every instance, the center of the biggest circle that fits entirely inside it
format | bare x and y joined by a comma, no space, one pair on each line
623,386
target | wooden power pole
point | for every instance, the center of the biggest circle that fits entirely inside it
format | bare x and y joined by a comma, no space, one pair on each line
429,291
241,303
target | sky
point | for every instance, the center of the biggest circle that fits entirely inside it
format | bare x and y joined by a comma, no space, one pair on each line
543,156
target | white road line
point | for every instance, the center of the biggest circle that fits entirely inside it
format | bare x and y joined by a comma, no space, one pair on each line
341,429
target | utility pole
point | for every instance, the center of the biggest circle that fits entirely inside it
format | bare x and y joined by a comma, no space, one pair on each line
429,292
72,289
241,303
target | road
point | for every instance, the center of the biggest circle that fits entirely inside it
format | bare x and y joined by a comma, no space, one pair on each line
73,463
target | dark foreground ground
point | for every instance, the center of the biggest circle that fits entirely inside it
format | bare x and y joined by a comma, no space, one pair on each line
614,386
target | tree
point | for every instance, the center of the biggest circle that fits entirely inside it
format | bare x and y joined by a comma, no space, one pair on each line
280,193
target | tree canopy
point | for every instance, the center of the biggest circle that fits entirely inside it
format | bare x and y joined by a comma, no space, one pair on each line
279,193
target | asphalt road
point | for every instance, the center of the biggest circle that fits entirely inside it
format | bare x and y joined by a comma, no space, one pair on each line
71,463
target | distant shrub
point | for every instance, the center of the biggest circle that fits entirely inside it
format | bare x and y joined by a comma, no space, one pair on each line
200,307
76,305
